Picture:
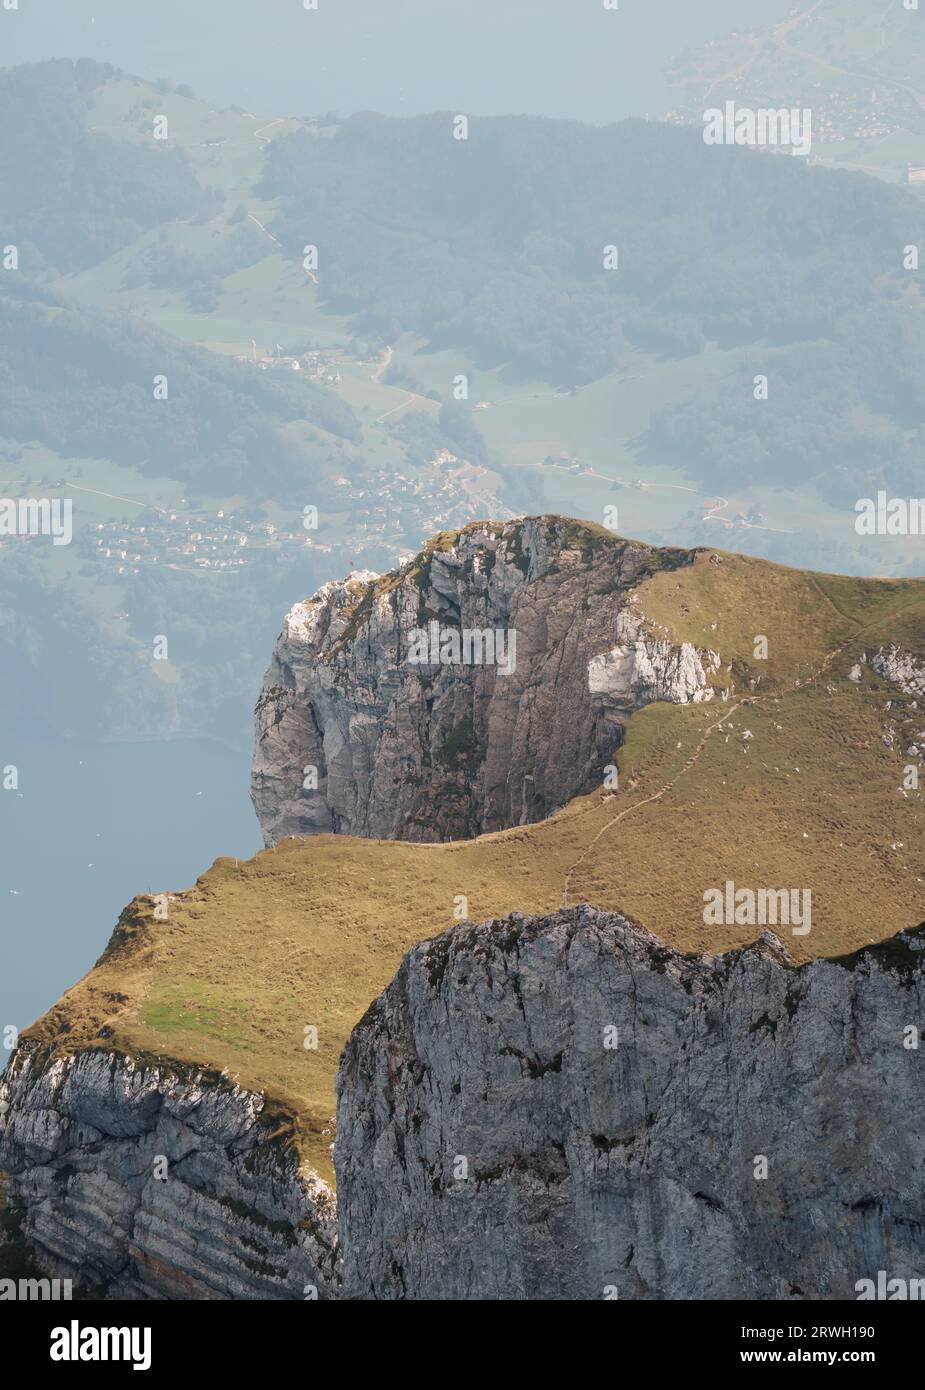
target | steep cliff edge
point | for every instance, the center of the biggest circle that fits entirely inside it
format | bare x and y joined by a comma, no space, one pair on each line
360,732
136,1183
561,1107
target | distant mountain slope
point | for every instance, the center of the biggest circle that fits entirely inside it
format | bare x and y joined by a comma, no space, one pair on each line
826,42
495,246
496,243
70,197
859,65
84,383
81,382
488,253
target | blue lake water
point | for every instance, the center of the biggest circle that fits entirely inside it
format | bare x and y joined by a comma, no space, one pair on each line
91,827
567,58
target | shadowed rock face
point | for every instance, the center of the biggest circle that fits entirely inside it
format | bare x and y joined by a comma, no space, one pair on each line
631,1167
404,750
136,1184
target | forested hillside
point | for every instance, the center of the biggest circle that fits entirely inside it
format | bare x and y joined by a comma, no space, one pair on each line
71,196
81,382
84,384
495,245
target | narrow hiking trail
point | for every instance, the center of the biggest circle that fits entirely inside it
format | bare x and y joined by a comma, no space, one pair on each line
744,700
656,796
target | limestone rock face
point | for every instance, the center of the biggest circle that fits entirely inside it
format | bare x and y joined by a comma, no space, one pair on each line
135,1184
902,668
560,1107
642,669
356,734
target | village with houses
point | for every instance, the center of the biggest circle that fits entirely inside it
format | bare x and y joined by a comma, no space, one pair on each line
390,512
190,540
317,364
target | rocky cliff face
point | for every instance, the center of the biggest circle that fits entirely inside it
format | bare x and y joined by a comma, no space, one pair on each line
137,1184
357,734
561,1108
552,1107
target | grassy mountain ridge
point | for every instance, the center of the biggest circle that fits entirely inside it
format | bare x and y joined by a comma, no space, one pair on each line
794,781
